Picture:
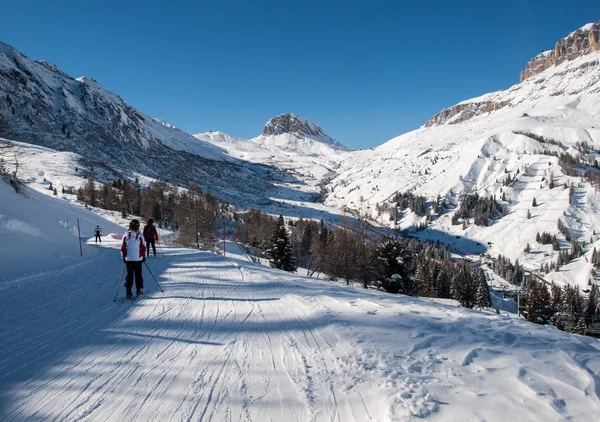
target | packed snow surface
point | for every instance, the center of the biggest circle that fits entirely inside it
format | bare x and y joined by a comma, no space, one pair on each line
233,340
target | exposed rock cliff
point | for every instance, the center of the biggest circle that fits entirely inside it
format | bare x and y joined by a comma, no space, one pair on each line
583,41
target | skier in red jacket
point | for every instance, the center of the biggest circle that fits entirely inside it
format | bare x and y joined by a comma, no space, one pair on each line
151,236
133,252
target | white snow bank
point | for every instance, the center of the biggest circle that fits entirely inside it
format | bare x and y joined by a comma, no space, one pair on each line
39,232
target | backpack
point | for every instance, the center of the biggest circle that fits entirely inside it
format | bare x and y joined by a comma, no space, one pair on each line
98,231
148,232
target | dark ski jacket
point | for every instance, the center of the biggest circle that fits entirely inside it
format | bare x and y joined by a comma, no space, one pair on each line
150,232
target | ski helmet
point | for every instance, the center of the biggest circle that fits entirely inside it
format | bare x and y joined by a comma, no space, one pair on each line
134,225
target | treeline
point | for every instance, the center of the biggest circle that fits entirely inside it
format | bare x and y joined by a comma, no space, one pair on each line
480,209
540,138
191,212
395,265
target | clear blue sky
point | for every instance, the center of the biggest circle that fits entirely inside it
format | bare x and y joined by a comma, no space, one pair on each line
365,71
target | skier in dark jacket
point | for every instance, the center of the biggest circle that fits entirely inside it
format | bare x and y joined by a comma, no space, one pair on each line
98,234
151,236
133,252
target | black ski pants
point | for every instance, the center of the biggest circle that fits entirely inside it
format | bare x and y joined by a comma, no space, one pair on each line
148,243
134,268
98,238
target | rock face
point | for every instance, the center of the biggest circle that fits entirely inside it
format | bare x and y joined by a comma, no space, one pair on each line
292,124
583,41
301,128
464,111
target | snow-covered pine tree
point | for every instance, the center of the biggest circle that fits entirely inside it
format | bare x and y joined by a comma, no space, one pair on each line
393,265
463,289
423,281
539,304
572,307
483,294
282,255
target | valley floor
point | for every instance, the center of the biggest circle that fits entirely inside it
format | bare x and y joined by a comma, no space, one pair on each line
232,340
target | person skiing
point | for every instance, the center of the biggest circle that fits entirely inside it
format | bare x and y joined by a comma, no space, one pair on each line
151,236
133,252
98,234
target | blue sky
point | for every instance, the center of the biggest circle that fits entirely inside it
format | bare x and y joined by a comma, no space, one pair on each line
365,71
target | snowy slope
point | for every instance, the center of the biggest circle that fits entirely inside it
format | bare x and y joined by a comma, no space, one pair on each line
36,238
451,158
232,340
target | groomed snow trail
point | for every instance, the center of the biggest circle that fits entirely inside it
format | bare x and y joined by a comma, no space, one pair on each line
213,346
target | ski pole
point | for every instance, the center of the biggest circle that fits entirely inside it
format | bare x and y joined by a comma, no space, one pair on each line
153,277
119,285
161,250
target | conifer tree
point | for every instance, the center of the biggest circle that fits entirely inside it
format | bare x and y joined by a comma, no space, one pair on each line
394,263
282,255
443,283
539,304
591,305
483,293
90,192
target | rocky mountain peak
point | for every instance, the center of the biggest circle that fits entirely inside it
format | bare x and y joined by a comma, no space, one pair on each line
294,125
300,128
583,41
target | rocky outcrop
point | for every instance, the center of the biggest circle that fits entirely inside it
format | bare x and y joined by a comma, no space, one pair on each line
299,128
292,124
464,111
583,41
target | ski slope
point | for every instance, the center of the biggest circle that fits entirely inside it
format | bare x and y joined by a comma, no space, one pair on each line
233,340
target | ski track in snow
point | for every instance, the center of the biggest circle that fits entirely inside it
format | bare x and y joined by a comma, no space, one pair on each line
229,340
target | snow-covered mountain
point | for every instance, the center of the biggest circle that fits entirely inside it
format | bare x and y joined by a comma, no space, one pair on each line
475,145
39,104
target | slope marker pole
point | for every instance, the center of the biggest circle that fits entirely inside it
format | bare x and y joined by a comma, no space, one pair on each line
79,231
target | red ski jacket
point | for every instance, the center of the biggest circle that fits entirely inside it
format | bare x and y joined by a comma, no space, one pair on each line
150,232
